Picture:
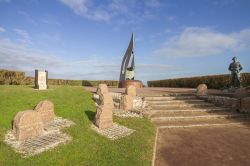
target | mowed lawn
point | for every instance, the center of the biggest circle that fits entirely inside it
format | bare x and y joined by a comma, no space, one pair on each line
87,147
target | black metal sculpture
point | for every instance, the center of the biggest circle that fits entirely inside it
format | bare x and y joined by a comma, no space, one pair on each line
128,73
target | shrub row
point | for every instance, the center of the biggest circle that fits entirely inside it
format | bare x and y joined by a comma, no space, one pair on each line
212,81
97,82
11,77
19,78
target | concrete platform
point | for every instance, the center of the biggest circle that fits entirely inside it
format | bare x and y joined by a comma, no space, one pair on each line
206,146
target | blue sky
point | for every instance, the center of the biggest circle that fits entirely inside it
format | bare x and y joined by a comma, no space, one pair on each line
86,39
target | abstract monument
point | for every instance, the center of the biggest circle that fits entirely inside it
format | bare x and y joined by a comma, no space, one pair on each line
127,74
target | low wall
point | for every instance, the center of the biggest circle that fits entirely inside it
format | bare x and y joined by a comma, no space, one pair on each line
227,102
239,100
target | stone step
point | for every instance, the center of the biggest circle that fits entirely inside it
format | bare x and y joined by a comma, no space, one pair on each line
189,113
204,121
184,118
178,94
200,125
180,106
154,98
210,109
161,102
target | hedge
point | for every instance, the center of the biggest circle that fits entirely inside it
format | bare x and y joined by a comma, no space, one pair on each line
11,77
212,81
18,78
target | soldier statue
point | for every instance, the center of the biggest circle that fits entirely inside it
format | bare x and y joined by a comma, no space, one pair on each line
235,68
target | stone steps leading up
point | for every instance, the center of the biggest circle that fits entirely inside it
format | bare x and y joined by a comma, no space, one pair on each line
188,110
180,106
160,98
201,125
189,113
185,110
178,117
191,101
198,121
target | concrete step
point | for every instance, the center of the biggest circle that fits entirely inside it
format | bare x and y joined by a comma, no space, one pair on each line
200,125
154,98
179,94
161,102
189,113
210,109
172,106
198,121
183,118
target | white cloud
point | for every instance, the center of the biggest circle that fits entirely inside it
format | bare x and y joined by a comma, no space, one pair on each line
21,57
112,8
84,8
79,6
25,38
197,41
2,29
16,56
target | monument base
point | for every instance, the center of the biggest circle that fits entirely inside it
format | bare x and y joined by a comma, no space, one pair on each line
127,83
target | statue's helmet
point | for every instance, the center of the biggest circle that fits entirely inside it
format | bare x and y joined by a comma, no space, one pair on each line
234,58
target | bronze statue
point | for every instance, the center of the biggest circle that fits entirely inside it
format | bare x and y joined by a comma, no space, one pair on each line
235,68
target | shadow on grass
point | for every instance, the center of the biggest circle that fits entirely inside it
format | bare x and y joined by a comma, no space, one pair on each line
90,115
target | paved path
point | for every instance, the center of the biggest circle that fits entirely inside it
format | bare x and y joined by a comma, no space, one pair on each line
192,132
204,146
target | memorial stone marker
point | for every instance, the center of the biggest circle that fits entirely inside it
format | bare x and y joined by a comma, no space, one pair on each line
131,90
107,99
102,88
202,90
46,110
104,112
27,124
41,80
126,102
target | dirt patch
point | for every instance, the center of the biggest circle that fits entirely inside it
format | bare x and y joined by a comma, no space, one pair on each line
227,145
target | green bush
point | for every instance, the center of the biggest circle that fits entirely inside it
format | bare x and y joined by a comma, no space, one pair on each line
212,81
11,77
97,82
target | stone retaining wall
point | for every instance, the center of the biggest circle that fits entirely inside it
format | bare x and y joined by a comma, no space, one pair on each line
227,102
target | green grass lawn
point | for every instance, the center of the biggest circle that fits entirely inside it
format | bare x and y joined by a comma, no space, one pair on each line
87,147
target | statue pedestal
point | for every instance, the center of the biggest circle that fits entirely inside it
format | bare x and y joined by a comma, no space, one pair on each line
127,83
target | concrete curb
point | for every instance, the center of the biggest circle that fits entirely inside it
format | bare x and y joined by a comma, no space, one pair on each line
155,147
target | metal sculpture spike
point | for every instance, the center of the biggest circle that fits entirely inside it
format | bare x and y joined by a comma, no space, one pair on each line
127,73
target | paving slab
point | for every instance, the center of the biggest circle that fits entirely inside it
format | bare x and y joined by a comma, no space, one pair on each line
214,145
